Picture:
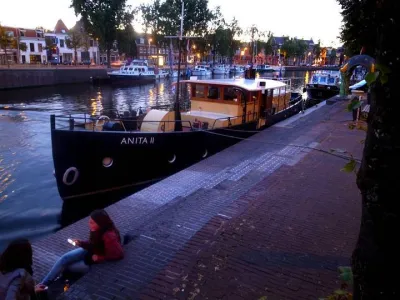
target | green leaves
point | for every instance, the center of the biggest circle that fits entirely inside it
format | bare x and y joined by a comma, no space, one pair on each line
354,104
350,166
381,75
346,274
370,78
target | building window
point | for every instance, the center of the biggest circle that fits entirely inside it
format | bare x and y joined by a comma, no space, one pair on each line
91,42
23,45
62,43
40,47
22,33
39,34
32,47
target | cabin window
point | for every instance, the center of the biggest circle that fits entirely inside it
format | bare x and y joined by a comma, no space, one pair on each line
322,80
315,79
200,91
230,94
135,70
331,80
253,96
213,92
125,69
130,69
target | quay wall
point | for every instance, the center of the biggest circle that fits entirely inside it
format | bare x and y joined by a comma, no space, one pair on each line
310,68
22,78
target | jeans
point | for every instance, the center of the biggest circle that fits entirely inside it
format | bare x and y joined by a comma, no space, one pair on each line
72,261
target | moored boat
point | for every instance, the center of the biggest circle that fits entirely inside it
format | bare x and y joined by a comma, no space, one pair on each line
135,72
323,85
132,150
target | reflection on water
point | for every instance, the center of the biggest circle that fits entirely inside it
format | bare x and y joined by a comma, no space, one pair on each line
29,202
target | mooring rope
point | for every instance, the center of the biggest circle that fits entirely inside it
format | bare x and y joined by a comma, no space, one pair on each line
345,157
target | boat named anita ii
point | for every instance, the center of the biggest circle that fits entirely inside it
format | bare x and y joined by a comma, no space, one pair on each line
97,155
134,72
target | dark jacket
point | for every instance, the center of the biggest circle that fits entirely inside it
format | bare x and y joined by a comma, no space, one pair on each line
16,285
111,248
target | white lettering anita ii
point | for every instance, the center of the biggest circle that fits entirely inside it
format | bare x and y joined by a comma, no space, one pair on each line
137,141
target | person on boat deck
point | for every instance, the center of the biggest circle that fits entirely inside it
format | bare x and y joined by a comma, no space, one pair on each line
16,272
104,244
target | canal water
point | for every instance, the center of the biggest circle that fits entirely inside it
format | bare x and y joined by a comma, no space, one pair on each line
30,206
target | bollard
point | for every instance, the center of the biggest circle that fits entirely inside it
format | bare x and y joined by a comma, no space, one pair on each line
71,124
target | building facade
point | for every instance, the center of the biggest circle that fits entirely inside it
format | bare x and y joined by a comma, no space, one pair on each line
40,46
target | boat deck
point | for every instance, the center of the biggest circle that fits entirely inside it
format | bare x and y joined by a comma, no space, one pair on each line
167,215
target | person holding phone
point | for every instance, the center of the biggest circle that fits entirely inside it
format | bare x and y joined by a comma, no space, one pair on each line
104,244
16,272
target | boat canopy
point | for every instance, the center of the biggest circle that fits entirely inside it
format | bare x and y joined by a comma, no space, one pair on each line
251,85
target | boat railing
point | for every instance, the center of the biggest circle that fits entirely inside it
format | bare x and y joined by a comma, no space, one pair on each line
128,125
230,119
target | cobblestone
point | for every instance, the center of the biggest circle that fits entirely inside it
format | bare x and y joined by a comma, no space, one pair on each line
213,206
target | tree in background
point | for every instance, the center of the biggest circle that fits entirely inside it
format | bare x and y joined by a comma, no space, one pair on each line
6,42
75,40
126,41
376,260
103,18
151,14
317,50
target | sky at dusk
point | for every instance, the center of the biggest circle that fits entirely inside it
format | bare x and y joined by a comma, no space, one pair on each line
317,19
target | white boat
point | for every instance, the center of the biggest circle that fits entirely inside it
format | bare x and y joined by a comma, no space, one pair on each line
237,69
162,74
134,72
220,70
201,71
263,68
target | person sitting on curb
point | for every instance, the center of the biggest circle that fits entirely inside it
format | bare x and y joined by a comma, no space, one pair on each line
104,244
16,282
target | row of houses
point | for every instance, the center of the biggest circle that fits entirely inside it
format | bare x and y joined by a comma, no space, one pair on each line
32,47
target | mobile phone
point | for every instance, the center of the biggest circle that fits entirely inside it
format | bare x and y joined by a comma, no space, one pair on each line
71,242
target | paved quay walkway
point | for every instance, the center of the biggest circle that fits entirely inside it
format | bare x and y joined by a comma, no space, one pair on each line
266,217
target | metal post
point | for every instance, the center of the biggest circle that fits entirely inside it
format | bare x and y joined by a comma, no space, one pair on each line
71,124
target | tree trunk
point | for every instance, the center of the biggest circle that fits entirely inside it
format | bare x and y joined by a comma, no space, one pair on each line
75,56
376,259
5,54
108,56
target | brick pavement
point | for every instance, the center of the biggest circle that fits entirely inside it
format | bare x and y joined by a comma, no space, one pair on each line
291,232
172,216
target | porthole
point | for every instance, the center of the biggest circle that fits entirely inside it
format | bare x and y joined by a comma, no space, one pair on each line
172,160
107,162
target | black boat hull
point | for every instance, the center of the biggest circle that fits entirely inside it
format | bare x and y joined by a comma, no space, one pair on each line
138,158
320,93
132,79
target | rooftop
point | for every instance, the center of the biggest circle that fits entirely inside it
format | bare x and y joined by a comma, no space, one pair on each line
246,84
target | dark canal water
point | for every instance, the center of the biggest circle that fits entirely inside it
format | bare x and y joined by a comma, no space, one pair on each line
29,202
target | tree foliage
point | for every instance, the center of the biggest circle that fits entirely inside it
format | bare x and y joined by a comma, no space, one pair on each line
6,42
373,25
196,17
151,21
103,18
126,41
294,48
358,29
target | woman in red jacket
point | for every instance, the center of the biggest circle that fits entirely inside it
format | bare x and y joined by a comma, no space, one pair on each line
104,244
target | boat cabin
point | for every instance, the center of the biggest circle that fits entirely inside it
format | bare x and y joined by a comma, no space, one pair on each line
326,78
229,102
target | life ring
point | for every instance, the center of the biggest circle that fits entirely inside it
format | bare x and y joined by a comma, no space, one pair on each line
102,118
65,177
